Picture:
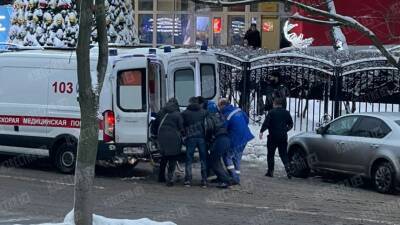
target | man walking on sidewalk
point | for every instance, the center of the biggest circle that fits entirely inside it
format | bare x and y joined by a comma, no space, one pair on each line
278,122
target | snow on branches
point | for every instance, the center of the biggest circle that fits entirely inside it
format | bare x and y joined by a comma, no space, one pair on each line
56,23
329,16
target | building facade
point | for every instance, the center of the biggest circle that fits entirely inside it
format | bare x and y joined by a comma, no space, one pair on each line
183,22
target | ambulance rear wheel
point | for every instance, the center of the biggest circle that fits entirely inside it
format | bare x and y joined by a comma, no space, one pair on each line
65,158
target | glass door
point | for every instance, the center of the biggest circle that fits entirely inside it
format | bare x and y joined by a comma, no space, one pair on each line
236,31
203,30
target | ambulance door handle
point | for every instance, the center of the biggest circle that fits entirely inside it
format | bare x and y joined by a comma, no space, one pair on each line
118,118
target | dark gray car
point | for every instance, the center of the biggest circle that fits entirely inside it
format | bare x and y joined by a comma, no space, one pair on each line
365,144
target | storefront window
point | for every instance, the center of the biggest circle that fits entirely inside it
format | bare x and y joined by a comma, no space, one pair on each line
146,5
207,8
165,25
202,30
182,30
236,30
146,28
172,5
165,5
181,5
217,29
236,8
264,7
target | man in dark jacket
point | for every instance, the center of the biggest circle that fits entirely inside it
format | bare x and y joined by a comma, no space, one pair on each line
193,120
169,126
278,122
275,89
252,37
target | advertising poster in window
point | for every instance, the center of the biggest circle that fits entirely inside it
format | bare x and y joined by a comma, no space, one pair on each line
217,25
5,20
131,89
268,26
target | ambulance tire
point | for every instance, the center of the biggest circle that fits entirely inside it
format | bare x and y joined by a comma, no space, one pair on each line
65,158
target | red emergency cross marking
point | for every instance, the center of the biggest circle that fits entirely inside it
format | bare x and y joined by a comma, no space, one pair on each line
39,121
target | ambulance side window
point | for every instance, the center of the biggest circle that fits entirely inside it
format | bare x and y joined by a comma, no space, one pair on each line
208,82
131,90
184,85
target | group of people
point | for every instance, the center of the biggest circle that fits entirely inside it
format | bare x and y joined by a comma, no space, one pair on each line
220,132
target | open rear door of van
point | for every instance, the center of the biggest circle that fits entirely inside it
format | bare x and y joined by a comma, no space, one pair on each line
183,78
130,90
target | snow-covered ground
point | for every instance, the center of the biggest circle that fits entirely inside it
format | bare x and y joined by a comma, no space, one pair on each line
256,150
100,220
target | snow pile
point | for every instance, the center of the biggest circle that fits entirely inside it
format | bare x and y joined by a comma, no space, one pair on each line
256,150
100,220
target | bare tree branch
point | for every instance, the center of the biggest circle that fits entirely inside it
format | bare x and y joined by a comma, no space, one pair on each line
299,17
338,38
345,20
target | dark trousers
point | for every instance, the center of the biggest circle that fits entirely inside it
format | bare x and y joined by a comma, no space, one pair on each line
219,148
171,161
283,154
191,145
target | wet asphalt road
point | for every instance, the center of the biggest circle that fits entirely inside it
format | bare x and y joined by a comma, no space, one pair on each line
37,193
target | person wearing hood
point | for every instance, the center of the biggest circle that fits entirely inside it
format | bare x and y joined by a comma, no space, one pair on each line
236,122
193,120
253,37
170,131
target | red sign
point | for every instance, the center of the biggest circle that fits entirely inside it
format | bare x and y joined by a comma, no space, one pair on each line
217,25
268,26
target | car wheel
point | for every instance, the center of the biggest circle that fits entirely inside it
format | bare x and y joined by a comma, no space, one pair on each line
298,163
384,178
65,158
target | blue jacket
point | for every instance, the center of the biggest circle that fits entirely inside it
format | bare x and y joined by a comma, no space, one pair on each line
238,129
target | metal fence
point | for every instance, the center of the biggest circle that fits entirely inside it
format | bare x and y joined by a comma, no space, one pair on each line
316,89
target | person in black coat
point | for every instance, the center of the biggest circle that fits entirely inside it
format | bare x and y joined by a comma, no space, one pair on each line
193,120
278,122
252,37
275,89
170,139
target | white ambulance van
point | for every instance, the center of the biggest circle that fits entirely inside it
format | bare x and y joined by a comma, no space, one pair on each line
39,109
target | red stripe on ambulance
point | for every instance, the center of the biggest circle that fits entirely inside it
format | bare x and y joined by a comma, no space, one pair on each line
39,121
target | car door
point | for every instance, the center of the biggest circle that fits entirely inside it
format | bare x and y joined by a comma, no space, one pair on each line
334,141
131,108
368,136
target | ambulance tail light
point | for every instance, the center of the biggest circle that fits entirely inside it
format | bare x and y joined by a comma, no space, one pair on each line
109,126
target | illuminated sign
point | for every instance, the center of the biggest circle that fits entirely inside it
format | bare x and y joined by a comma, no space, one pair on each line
217,26
5,18
268,26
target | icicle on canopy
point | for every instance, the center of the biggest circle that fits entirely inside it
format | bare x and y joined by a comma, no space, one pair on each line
55,23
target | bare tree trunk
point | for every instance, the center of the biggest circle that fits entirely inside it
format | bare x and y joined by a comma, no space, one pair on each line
102,42
89,104
338,38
